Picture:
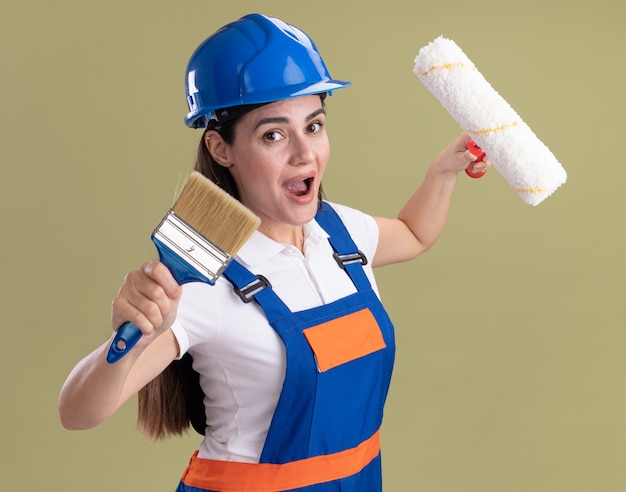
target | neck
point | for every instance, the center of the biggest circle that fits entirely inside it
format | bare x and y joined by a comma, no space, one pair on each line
292,235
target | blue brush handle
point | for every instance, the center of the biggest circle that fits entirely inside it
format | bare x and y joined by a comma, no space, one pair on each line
125,339
129,334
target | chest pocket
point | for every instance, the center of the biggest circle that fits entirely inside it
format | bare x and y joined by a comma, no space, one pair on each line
344,339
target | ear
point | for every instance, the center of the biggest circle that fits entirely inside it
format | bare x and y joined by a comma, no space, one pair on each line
218,148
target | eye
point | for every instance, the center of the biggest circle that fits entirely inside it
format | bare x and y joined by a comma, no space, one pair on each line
315,127
272,136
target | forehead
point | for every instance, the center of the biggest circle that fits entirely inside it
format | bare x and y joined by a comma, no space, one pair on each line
296,109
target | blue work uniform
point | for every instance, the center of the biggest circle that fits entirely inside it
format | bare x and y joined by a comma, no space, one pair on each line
324,434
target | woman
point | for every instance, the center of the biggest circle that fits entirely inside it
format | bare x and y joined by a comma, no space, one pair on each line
293,383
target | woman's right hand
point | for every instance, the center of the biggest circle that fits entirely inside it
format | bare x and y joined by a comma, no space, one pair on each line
148,298
95,389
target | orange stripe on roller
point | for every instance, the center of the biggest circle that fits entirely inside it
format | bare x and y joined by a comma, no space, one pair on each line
230,476
486,131
345,339
446,66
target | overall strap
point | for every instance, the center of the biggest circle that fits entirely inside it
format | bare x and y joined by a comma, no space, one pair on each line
347,254
249,287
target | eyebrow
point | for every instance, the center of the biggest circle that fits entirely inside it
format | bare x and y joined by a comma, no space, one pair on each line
281,119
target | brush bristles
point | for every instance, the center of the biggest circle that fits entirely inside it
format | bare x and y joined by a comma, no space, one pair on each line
215,214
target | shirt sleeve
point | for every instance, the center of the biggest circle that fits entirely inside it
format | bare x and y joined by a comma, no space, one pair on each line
199,314
181,337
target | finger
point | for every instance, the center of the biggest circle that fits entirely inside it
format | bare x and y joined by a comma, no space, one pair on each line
475,151
142,301
477,168
158,272
460,144
474,171
122,311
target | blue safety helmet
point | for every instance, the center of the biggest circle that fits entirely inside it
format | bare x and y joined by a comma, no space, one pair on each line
254,60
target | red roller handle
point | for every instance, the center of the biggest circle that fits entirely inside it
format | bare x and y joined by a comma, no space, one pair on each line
477,151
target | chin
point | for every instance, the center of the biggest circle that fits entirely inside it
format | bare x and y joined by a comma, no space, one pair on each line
305,213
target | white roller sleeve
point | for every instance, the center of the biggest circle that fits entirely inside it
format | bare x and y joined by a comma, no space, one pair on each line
513,149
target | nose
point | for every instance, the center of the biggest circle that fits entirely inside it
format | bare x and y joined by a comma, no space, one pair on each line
303,151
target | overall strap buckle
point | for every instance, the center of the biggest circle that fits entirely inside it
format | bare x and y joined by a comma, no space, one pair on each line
343,260
247,293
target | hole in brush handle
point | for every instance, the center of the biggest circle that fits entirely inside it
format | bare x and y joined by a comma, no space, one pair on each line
125,339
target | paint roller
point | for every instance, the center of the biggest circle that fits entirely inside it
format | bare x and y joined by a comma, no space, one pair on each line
529,167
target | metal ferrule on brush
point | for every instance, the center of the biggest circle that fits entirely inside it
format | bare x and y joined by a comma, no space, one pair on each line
201,259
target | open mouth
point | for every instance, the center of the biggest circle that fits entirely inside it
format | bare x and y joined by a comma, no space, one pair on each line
299,187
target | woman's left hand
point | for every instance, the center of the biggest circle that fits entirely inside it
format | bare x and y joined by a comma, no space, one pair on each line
456,157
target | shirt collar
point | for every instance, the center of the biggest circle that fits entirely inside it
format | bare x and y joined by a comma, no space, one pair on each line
260,248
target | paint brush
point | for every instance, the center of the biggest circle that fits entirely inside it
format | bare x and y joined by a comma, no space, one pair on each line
196,240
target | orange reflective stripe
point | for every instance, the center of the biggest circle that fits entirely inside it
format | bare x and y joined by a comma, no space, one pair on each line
345,339
231,476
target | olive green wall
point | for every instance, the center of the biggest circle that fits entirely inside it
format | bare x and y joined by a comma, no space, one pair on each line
510,368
